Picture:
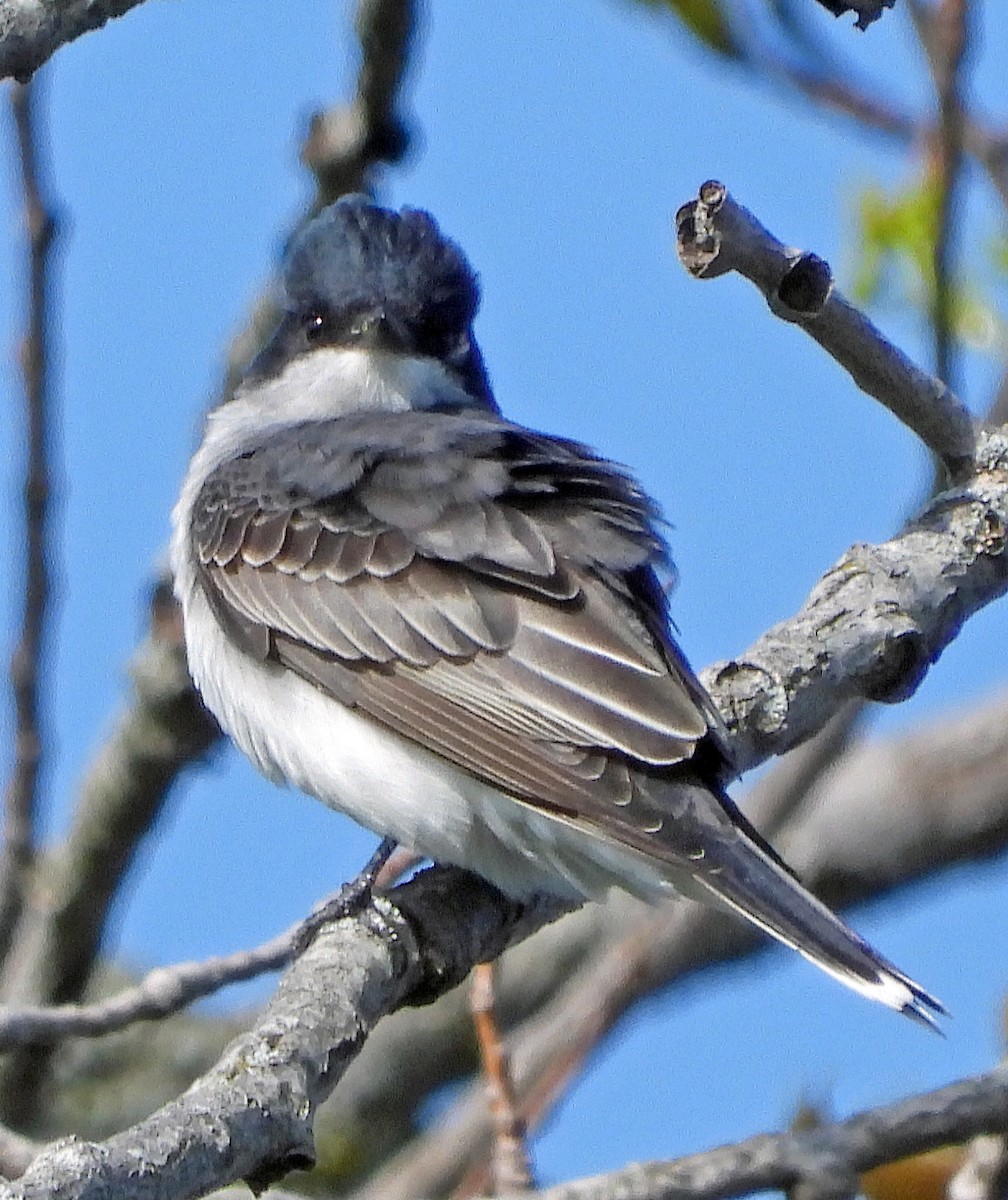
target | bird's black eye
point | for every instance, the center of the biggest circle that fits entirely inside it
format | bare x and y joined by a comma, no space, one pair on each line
315,325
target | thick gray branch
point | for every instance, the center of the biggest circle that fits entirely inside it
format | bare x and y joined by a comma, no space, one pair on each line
715,235
31,31
251,1117
877,620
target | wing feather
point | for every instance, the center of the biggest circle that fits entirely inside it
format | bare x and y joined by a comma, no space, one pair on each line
484,591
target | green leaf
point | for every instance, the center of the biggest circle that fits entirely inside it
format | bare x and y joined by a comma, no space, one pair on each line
895,262
705,20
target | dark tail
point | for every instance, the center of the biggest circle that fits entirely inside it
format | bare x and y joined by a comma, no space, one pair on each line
742,871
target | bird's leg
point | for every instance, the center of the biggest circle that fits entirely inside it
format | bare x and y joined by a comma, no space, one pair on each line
350,898
511,1168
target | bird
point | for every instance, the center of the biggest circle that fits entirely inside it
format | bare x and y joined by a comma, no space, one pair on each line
451,627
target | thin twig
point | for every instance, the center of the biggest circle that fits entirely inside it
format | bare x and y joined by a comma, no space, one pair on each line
511,1167
42,473
162,992
944,32
715,234
952,28
347,144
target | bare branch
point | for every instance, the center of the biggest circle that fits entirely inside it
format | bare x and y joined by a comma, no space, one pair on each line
42,473
347,143
952,28
832,1154
160,993
455,921
511,1167
251,1117
945,34
31,31
716,235
165,729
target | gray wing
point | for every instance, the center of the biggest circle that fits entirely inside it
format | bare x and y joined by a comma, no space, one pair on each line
487,592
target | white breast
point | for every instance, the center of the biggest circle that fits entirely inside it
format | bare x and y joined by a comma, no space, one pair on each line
297,734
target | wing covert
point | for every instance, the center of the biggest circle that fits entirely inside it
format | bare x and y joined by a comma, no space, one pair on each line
475,587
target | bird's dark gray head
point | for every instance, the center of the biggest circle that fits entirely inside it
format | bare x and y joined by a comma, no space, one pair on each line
359,275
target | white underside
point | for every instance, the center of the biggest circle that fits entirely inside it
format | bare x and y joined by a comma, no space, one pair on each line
297,734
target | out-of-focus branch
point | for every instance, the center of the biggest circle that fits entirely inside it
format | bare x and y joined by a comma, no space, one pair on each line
715,235
377,961
347,145
830,1157
830,87
31,31
510,1165
42,474
165,728
160,993
944,32
952,26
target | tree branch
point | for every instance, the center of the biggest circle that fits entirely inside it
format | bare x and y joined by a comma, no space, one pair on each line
832,1155
863,830
162,992
716,235
347,143
952,28
251,1116
31,31
41,481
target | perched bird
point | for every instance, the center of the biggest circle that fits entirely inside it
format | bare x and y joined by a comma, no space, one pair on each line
454,628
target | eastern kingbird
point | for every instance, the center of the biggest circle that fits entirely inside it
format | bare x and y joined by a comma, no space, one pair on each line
451,627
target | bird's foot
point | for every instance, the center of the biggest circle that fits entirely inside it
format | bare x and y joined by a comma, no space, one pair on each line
347,902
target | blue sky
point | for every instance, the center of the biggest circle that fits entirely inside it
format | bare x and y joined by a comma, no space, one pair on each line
555,144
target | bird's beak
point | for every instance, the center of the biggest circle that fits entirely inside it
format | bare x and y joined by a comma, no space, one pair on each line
380,331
